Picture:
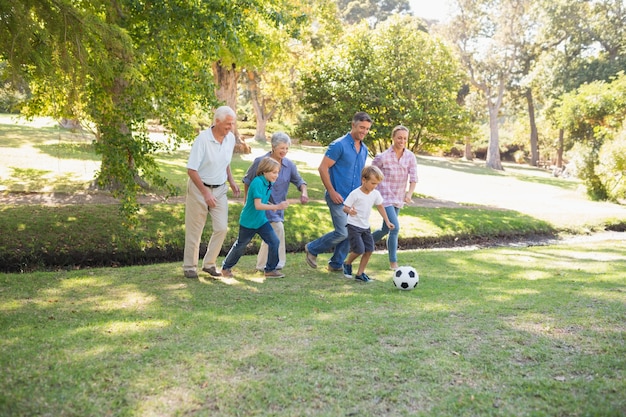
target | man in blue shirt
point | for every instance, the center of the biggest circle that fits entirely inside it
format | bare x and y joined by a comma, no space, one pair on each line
340,172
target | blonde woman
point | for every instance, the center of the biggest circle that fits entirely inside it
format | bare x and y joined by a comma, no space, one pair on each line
399,166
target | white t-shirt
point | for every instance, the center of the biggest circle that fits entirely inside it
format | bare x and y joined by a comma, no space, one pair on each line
211,158
363,204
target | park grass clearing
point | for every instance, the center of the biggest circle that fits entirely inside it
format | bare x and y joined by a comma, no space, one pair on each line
504,331
537,331
44,158
74,236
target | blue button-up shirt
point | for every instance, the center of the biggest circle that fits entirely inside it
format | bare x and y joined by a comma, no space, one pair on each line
345,174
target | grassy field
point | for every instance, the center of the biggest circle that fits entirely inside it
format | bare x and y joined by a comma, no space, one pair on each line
506,331
495,332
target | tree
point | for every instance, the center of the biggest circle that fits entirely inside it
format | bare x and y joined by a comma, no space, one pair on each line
592,116
395,72
115,64
271,77
583,42
486,33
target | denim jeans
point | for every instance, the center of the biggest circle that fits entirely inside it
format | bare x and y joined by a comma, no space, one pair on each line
338,238
245,236
392,240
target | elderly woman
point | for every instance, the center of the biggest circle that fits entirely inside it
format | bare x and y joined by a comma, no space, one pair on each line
399,166
288,174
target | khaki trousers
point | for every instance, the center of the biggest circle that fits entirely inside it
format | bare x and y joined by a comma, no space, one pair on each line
196,212
261,258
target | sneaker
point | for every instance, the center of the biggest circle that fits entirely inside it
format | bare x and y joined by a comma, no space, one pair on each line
227,273
274,274
190,273
310,258
363,277
212,271
333,269
347,270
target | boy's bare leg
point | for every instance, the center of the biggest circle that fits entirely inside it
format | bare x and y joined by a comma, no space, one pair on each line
364,260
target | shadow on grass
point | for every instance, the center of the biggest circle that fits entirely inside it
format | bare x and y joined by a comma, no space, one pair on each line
522,329
566,184
15,136
458,165
75,150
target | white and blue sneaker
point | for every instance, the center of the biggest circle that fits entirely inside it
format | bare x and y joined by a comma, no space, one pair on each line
363,277
347,271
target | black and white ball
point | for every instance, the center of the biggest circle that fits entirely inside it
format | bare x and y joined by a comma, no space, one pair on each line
405,278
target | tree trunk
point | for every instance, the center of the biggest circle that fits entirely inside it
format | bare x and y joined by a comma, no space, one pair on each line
534,136
493,151
468,155
226,79
559,149
258,104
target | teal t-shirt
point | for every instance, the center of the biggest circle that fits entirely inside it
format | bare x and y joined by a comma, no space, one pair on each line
251,217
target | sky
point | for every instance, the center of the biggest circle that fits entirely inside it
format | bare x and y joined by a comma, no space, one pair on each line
430,9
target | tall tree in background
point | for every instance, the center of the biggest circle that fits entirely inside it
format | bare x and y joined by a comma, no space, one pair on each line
486,34
271,77
395,72
588,45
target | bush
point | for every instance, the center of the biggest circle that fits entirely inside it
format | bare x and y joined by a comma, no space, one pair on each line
611,167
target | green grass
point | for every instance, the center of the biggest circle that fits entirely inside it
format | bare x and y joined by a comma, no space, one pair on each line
505,331
497,332
36,237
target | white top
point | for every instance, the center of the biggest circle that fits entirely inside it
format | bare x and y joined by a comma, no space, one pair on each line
211,158
362,203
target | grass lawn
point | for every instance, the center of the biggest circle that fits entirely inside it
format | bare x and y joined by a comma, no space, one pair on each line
535,331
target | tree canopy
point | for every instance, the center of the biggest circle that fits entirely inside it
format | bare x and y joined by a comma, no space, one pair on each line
397,73
115,64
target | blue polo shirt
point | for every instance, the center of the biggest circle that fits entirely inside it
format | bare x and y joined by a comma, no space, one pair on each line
345,175
251,217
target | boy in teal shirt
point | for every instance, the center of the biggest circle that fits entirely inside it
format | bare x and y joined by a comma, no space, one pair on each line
253,220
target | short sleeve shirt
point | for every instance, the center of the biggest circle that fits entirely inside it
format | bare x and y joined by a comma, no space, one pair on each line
345,174
363,204
251,217
211,158
288,174
396,172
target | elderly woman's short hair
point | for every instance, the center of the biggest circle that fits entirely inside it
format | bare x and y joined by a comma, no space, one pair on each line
280,137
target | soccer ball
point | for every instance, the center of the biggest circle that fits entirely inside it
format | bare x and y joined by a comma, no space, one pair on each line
405,278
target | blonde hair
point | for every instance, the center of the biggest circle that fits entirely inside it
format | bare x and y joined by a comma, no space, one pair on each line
398,128
267,164
372,171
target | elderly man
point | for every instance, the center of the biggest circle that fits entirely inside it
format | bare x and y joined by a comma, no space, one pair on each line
208,169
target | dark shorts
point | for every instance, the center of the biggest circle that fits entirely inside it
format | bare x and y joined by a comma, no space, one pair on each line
361,240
